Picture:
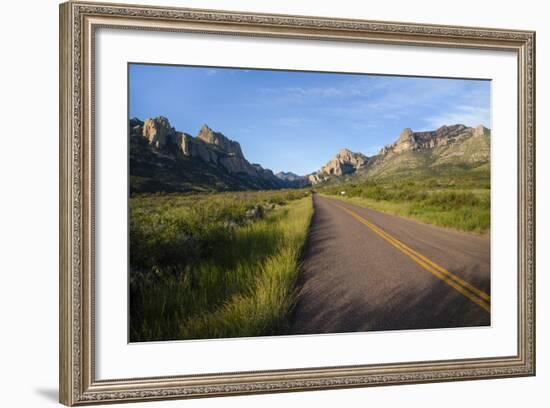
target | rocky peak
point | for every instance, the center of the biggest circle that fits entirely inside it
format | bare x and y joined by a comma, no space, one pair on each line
158,132
480,130
208,146
344,152
228,146
136,127
135,122
214,147
405,141
445,135
347,156
344,162
206,134
406,135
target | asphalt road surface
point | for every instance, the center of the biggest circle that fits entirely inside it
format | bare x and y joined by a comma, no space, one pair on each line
364,270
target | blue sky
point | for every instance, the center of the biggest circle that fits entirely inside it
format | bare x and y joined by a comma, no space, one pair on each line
297,121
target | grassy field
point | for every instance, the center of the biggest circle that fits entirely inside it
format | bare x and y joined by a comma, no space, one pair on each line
462,203
214,265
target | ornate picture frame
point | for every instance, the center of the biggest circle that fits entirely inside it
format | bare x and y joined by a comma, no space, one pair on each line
79,22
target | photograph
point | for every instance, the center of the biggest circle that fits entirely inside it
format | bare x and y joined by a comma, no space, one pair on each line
269,201
279,202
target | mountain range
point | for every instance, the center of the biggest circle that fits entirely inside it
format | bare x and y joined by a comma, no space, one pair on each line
165,159
455,149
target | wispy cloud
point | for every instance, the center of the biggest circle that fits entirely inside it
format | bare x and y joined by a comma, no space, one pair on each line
466,115
303,94
297,121
379,109
471,107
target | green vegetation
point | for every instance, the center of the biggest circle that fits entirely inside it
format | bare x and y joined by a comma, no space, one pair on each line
214,265
446,160
461,202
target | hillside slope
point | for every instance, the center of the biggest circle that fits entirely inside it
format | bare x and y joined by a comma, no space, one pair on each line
165,160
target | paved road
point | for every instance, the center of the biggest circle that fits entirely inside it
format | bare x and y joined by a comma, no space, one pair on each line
365,270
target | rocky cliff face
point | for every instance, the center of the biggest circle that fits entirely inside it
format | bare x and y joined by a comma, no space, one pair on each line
452,148
456,145
209,146
217,139
418,141
211,155
159,133
345,162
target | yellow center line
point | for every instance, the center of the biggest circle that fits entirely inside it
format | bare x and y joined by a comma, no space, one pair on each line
460,281
476,295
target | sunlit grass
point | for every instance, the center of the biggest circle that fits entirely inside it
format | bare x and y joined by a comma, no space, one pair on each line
220,274
461,207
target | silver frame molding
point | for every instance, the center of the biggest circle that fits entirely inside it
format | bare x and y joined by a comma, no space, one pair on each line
78,22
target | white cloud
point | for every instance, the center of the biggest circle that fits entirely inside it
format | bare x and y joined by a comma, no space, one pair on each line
297,94
464,114
376,102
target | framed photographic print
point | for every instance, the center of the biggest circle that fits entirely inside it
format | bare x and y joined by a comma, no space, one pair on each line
260,203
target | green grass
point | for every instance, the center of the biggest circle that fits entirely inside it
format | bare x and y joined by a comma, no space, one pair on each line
200,268
462,204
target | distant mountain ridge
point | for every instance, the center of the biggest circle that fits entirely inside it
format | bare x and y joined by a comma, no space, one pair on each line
293,179
345,162
445,135
164,159
154,142
455,148
288,175
456,145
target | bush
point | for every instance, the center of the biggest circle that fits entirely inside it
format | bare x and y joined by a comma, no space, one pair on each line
450,200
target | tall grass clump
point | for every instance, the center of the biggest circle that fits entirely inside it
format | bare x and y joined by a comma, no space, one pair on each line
212,266
460,204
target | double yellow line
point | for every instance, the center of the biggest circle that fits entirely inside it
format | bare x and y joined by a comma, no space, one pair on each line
476,295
